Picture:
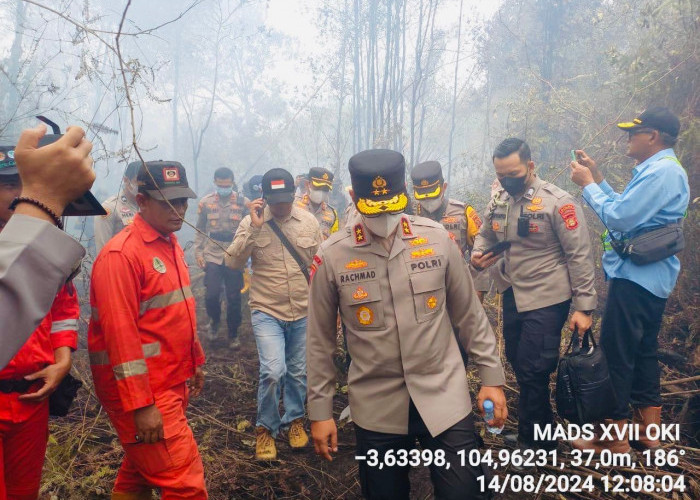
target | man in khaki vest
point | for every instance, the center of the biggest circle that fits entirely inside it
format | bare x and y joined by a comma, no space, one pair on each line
219,215
315,200
550,268
400,283
461,220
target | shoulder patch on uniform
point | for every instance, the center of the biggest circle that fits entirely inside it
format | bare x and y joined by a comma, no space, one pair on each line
317,262
568,215
473,215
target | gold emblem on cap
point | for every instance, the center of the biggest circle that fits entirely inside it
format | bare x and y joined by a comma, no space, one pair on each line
379,185
325,175
424,182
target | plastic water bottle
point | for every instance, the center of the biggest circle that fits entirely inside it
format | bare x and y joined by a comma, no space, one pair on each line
488,415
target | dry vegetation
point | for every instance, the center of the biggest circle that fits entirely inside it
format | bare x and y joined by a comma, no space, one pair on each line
84,453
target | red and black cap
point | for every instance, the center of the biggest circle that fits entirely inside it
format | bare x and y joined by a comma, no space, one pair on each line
657,118
169,176
379,181
7,161
278,186
427,180
321,178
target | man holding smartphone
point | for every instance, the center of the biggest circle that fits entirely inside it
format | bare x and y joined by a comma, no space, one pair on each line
549,266
281,239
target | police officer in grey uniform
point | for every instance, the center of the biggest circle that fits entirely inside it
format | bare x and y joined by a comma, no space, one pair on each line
550,268
121,208
400,283
460,219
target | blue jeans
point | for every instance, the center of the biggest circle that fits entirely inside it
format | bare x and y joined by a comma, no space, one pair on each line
282,354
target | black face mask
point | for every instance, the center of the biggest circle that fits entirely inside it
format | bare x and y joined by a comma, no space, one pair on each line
514,185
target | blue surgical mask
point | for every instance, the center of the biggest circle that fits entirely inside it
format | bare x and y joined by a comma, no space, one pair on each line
224,192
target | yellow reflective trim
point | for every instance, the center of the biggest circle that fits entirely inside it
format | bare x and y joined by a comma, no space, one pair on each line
165,299
431,194
370,207
102,358
130,369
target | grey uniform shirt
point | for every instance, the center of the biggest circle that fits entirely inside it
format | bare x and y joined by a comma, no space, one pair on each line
278,286
120,213
553,263
398,308
35,259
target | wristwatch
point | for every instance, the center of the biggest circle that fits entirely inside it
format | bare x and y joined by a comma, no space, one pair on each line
588,313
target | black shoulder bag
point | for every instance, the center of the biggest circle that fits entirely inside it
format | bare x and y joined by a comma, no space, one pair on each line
288,245
584,391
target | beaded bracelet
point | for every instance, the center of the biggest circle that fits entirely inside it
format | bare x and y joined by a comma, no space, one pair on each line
38,204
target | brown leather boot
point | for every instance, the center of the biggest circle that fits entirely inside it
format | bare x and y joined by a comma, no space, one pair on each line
645,417
598,443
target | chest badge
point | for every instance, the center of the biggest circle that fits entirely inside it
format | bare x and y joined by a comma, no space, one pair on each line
431,302
495,226
356,264
360,294
535,208
365,315
419,241
158,265
423,252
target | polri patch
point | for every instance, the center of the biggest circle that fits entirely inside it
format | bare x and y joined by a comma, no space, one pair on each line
568,215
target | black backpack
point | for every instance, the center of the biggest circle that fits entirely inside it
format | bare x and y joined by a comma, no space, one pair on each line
584,390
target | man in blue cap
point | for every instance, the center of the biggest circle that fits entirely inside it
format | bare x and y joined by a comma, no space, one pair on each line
656,197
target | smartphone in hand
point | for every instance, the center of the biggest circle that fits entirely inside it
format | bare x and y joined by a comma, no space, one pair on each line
498,248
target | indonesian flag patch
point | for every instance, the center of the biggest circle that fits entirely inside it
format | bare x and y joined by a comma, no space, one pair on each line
277,184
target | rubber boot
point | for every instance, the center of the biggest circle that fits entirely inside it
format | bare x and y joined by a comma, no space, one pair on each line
645,417
598,443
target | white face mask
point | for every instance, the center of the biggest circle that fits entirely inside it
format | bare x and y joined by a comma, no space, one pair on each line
382,225
318,196
431,205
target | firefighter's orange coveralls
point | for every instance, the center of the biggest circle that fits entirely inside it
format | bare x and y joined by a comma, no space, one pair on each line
143,348
24,425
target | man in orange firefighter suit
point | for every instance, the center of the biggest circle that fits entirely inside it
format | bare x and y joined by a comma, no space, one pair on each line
145,355
32,375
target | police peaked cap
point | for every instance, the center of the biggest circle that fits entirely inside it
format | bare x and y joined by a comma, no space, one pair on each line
321,178
427,180
379,181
